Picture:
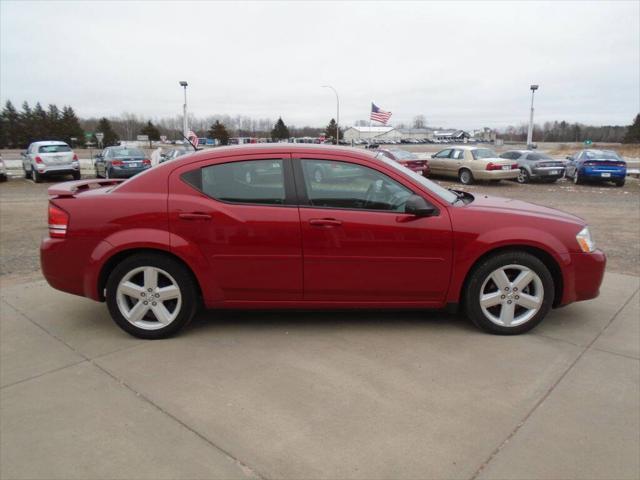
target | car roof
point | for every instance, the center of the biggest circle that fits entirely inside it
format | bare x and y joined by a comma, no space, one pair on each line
466,147
257,148
50,142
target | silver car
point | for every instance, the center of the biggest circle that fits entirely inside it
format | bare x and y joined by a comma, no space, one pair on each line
535,166
50,158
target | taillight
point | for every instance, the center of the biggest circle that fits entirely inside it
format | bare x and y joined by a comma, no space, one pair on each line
621,164
146,161
75,157
589,164
514,166
117,163
38,160
58,221
493,166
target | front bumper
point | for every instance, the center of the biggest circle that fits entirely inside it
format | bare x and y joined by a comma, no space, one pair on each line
583,276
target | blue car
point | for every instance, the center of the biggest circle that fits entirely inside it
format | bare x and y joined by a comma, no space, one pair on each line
597,166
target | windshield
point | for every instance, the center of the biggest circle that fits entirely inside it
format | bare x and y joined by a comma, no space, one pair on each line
433,187
404,155
479,153
127,152
602,155
54,149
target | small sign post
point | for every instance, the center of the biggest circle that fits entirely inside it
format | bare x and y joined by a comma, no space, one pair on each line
588,143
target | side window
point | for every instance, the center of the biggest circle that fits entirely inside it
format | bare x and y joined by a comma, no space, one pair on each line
251,181
443,153
509,155
458,155
332,184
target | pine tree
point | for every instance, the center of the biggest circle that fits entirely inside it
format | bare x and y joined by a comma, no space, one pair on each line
70,127
110,137
331,130
280,131
27,125
40,124
11,125
150,131
53,123
633,132
219,132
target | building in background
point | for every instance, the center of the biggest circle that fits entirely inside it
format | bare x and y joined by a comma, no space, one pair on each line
371,134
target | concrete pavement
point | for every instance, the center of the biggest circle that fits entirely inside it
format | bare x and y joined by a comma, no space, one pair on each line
318,395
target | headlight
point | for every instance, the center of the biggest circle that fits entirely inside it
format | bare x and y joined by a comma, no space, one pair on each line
585,241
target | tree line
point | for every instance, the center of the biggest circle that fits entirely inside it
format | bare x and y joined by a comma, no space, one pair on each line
18,128
574,132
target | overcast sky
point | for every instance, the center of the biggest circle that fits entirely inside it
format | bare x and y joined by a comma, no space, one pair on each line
463,64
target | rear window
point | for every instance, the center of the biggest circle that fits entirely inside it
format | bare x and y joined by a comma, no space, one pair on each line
483,153
603,155
255,181
127,152
538,156
54,148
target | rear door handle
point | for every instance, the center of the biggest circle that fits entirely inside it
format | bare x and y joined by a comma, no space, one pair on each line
194,216
325,222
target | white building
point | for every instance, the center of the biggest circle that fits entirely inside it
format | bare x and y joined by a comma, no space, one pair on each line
371,133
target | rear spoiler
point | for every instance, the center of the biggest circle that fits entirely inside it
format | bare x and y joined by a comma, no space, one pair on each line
70,189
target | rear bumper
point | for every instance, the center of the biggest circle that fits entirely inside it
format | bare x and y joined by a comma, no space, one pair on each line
118,172
583,276
495,174
58,169
548,172
603,173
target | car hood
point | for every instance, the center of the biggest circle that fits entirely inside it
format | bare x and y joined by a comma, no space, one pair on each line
508,205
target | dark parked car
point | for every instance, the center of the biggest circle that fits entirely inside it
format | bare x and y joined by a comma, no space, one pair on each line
598,166
173,154
121,162
535,166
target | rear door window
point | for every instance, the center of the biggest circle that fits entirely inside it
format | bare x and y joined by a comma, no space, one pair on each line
252,181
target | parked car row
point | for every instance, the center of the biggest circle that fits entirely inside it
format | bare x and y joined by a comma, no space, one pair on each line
466,163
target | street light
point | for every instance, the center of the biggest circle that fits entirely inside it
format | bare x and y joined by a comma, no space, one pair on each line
530,132
185,129
337,113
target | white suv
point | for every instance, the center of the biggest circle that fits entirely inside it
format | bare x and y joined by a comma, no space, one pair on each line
49,158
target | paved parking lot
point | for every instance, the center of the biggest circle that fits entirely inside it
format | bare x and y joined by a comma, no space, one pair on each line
321,395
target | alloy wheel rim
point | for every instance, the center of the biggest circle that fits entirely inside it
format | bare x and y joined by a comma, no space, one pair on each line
522,178
511,295
465,176
149,298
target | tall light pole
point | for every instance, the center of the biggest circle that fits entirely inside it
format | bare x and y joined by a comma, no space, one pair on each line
337,113
530,132
185,128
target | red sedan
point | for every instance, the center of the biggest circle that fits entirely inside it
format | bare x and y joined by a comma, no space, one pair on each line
406,159
251,227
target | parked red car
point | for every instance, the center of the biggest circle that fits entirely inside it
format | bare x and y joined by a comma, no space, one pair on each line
249,227
406,159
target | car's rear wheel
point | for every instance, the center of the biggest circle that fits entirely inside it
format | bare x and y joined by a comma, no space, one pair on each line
465,176
27,173
509,293
523,176
37,176
576,178
76,175
107,173
619,183
151,296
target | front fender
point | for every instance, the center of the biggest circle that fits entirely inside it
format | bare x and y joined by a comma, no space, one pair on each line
469,250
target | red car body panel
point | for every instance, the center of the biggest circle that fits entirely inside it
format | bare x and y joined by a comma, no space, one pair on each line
289,256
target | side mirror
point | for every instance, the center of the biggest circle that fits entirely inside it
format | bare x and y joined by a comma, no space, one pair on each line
23,154
569,157
418,206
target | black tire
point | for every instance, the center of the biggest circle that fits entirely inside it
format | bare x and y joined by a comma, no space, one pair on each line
484,269
523,176
620,183
465,176
37,176
76,175
576,178
107,174
27,174
97,174
188,289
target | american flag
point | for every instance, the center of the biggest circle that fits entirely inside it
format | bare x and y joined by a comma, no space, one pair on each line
193,138
379,115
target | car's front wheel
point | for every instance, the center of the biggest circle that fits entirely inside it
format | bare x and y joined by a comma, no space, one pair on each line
509,293
151,296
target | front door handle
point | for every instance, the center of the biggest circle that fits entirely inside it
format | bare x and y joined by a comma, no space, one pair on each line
325,222
194,216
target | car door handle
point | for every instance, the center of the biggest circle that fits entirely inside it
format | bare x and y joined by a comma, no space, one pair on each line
194,216
325,222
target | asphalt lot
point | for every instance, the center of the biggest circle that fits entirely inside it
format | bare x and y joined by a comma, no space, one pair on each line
321,395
